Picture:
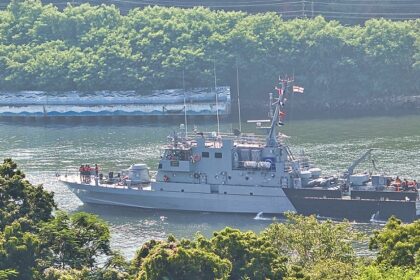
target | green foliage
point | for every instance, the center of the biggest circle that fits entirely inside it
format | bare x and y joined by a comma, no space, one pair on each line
95,47
170,260
116,268
18,252
308,240
398,244
20,200
252,257
331,269
74,241
141,254
229,254
8,274
374,272
320,248
52,273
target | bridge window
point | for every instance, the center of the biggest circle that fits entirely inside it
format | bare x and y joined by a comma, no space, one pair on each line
218,155
171,154
205,154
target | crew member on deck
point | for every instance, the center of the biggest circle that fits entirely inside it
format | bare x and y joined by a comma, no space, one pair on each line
404,185
81,169
397,184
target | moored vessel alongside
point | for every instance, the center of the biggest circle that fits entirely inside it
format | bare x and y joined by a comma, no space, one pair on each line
248,173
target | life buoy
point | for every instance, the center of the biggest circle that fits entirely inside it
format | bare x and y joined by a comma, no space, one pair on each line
195,158
165,178
196,175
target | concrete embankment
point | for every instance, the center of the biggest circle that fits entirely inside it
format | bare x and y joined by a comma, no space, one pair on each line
169,103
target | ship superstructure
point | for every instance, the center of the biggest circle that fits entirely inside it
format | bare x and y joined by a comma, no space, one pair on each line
226,160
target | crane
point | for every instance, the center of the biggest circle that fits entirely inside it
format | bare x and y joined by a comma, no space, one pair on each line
351,168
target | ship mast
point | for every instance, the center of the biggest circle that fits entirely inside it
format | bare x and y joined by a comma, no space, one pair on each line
217,102
271,138
185,105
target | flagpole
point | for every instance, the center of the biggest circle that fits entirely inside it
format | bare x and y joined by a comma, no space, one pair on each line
217,99
237,89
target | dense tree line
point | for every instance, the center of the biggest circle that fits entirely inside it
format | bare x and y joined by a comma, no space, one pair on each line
88,47
37,244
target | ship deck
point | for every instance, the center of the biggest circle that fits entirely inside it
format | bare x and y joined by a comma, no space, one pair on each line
248,140
75,179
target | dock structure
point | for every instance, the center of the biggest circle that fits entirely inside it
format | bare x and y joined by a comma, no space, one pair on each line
159,103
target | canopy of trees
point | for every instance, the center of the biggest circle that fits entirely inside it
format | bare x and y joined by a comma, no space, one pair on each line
96,47
398,244
67,247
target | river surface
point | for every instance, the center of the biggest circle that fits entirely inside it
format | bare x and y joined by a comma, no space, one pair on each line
42,148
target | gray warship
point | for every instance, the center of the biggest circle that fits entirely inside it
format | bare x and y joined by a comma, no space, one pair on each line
248,173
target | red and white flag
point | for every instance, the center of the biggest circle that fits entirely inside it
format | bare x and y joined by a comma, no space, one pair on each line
280,91
297,89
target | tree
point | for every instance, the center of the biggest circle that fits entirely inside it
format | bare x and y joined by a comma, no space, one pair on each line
19,251
21,16
398,244
170,260
331,269
252,257
19,199
311,244
87,47
74,241
6,274
375,272
33,242
52,273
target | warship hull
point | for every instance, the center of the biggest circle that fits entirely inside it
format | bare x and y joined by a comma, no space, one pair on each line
360,206
182,200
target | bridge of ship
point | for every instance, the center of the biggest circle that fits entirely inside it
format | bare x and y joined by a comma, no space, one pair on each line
248,149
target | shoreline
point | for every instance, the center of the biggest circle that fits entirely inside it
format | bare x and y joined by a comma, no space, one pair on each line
300,109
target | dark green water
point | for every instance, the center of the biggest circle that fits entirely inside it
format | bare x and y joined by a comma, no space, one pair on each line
43,148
